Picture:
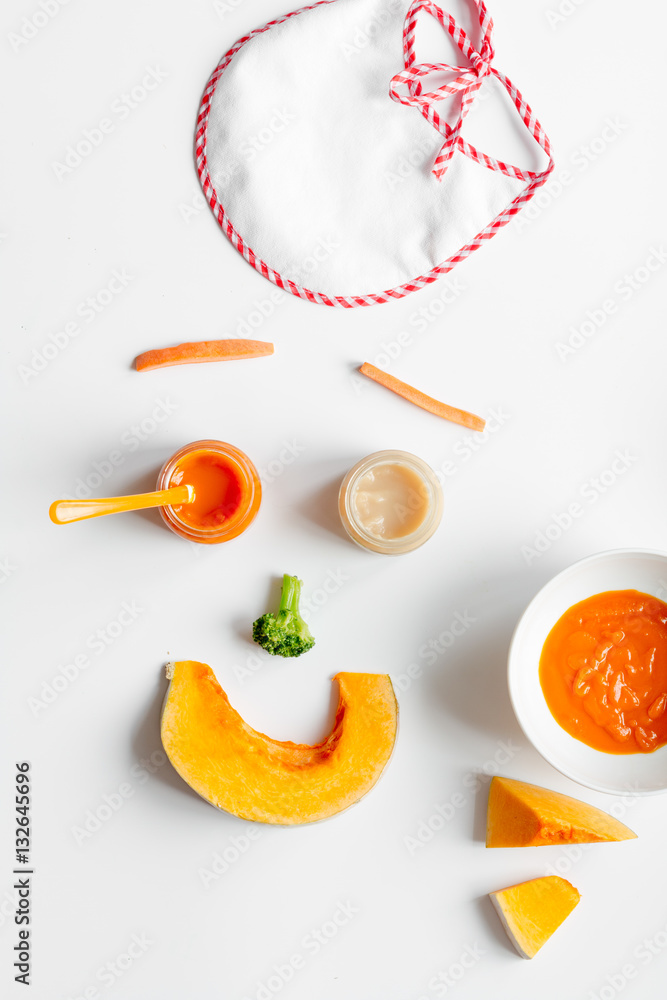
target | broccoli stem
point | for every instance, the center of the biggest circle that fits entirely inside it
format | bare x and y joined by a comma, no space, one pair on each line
291,594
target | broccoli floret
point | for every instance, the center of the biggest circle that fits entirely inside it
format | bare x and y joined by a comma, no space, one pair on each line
285,633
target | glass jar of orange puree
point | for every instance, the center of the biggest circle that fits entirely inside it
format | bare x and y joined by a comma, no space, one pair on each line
227,491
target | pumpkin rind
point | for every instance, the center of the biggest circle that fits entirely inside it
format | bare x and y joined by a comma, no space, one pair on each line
246,773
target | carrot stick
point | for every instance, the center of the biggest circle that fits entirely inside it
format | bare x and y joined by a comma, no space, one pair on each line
203,350
421,399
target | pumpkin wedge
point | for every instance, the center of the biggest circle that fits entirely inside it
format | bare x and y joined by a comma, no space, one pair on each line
523,815
246,773
532,911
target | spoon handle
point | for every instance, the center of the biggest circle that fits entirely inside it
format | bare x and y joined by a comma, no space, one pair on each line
64,511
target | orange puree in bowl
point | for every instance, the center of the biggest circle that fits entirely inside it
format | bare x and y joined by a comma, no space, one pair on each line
603,671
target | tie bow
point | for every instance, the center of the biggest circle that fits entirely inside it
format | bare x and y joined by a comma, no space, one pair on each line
407,88
480,64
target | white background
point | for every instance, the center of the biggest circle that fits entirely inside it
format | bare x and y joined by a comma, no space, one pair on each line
486,340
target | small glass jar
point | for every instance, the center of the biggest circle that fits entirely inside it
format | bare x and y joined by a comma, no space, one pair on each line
402,519
211,519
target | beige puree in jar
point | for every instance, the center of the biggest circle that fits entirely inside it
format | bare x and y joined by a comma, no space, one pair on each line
390,502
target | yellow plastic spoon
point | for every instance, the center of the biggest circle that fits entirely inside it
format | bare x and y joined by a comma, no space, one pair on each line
64,511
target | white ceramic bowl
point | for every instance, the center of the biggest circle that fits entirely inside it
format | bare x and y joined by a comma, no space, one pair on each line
621,569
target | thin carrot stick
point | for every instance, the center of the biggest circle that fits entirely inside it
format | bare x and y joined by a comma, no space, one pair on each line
421,399
203,350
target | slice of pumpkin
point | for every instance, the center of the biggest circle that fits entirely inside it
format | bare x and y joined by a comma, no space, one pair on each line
523,815
252,776
532,911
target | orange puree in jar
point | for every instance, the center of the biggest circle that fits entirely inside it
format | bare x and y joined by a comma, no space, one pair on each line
218,489
227,491
603,671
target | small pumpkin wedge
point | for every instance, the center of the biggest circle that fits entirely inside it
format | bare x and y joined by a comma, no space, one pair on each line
531,911
523,815
246,773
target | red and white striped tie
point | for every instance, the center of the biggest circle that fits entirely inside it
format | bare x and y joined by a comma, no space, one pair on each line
407,88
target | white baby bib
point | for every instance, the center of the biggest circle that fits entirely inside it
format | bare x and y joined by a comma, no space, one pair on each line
336,162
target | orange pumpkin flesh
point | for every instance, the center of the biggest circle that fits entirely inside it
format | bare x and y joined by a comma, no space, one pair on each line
249,774
531,911
523,815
